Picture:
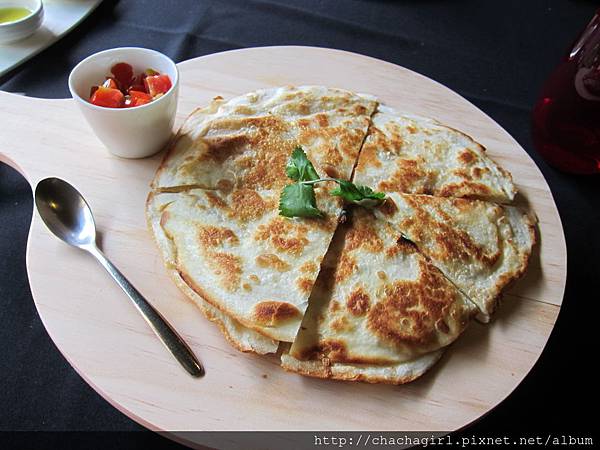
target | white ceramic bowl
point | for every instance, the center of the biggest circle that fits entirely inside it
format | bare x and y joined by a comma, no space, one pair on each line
127,132
22,28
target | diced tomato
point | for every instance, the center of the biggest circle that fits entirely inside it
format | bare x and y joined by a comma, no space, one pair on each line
137,98
107,97
138,87
137,84
123,90
110,83
123,74
157,84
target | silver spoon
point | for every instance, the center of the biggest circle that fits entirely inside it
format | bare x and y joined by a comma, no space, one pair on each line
69,217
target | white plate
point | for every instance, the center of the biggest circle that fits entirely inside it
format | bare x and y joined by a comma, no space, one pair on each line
61,16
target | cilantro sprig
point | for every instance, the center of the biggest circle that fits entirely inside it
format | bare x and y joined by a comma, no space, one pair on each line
298,199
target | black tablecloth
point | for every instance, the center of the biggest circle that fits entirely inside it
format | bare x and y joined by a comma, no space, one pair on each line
496,54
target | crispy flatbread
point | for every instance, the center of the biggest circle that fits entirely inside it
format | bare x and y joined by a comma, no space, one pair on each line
245,142
227,167
394,288
411,154
236,252
377,302
242,338
480,246
399,373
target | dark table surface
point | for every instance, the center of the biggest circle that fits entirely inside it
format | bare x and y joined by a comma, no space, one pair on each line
496,54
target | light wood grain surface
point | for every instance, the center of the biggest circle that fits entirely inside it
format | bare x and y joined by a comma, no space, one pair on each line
111,347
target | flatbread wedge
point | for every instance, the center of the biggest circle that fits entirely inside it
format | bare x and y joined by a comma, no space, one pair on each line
411,154
242,338
480,246
399,373
377,304
236,252
245,142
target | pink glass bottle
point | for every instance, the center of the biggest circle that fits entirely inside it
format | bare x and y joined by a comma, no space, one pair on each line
566,118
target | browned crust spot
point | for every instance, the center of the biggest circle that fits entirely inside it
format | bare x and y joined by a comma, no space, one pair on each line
334,306
265,137
335,351
309,267
409,310
479,172
272,313
332,349
215,200
227,267
322,120
211,236
305,284
358,302
361,235
368,157
328,145
224,185
254,278
346,266
392,251
466,157
402,246
359,109
221,148
280,232
248,205
409,176
272,261
465,188
340,324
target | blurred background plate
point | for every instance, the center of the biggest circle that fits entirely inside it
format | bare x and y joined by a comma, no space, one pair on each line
60,17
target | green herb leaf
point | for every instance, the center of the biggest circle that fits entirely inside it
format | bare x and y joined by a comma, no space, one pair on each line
356,193
299,168
298,200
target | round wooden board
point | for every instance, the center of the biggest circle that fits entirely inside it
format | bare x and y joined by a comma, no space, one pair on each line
109,344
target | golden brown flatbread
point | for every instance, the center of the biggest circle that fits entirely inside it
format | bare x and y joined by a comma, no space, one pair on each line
377,302
245,142
480,246
236,252
396,286
416,155
242,338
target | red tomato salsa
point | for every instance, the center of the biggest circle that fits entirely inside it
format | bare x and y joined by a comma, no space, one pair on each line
124,90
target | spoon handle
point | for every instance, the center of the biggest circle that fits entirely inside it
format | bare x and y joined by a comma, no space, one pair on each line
168,336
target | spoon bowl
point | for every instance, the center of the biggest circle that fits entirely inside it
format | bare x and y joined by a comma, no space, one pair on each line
65,212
